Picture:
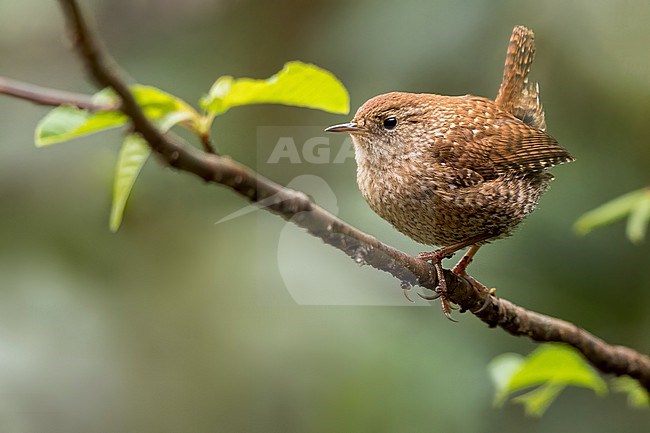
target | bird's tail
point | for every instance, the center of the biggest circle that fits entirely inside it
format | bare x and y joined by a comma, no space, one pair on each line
516,95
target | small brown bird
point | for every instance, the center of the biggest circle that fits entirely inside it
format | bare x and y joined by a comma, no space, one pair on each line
456,171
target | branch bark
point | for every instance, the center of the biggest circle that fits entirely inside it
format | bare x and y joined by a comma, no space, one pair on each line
296,207
44,96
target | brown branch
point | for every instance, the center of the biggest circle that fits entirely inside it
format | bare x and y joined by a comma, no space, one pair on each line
44,96
296,207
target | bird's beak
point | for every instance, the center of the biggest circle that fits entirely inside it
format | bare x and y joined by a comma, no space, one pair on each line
344,127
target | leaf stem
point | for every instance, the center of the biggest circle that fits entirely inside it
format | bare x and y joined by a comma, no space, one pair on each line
207,142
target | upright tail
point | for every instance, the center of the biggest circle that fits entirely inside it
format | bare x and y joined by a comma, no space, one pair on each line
516,95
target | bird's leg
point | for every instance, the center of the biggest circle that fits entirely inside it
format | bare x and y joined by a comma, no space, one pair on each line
459,268
436,257
441,289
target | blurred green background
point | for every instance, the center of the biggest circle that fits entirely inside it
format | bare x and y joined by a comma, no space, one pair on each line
168,325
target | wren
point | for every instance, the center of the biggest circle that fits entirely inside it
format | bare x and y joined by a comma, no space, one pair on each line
456,171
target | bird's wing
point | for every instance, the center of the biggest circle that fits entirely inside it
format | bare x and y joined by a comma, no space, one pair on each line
506,146
519,148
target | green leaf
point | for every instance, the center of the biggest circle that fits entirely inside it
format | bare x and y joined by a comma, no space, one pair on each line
298,84
157,104
538,400
132,156
637,396
637,223
557,363
65,122
610,212
501,369
553,366
107,97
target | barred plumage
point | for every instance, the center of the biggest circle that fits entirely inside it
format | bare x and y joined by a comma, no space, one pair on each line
456,171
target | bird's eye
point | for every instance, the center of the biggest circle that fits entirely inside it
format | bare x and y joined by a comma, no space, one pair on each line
390,123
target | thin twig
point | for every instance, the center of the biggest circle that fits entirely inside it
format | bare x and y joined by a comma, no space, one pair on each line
44,96
297,208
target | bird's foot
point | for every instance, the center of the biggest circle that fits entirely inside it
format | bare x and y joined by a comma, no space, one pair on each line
477,284
444,303
440,291
490,292
435,256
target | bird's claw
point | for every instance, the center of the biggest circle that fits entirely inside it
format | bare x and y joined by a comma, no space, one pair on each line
406,288
406,294
440,291
433,297
447,307
486,302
